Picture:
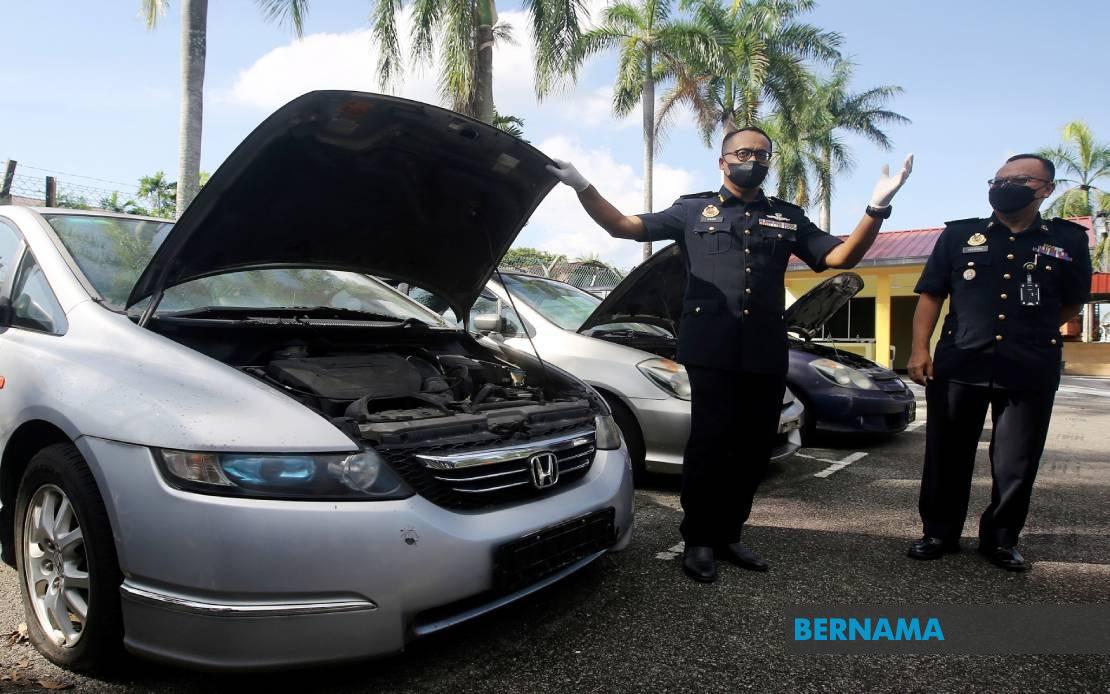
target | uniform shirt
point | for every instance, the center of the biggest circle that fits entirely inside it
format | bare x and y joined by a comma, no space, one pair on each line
736,255
989,337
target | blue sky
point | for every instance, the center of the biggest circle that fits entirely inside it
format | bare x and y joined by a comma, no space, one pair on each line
87,90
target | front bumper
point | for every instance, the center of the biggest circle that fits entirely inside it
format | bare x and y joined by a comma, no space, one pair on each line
226,583
849,410
665,425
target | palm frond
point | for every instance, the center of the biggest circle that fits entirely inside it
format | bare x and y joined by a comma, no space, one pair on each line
383,31
291,13
152,10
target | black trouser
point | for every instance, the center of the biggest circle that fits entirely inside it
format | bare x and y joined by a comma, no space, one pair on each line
734,419
955,422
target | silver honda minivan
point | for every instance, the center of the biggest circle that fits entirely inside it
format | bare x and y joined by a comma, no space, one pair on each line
224,445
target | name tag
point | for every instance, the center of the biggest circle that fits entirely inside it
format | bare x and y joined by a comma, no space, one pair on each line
712,219
976,249
778,225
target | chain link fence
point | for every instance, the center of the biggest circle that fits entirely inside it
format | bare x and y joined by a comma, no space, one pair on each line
594,276
70,190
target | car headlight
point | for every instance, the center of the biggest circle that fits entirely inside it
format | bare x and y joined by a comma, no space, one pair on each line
356,476
842,375
668,375
607,435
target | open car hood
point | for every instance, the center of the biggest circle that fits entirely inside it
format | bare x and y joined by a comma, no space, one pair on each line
653,293
361,182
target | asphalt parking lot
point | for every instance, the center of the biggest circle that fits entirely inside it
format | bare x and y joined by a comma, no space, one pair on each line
834,522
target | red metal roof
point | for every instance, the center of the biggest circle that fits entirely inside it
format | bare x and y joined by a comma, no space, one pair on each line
1100,285
914,246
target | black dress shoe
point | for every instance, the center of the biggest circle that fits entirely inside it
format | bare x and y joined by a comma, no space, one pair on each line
1004,557
738,554
698,563
932,548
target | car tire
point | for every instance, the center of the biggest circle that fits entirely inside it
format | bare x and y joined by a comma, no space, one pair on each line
89,574
630,431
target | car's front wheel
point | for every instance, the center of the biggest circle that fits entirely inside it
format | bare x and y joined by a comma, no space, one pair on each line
66,558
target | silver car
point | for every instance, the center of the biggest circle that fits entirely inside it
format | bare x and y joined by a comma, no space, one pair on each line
627,361
224,446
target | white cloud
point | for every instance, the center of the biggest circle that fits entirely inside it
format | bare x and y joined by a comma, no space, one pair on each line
350,61
561,225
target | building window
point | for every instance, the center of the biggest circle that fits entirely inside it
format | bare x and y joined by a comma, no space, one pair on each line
855,321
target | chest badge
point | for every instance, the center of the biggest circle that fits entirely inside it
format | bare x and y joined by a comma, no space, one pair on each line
778,221
969,274
977,239
710,211
1052,251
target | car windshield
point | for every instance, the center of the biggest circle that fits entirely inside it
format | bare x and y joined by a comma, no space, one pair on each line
564,305
112,251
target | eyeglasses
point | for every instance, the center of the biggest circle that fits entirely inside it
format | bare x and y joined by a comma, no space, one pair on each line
761,155
1014,181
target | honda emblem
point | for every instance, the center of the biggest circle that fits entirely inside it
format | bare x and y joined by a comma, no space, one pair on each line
545,470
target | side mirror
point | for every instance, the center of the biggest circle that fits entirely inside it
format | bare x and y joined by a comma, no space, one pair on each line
489,323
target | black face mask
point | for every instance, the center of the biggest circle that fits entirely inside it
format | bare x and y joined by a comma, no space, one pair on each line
747,175
1010,198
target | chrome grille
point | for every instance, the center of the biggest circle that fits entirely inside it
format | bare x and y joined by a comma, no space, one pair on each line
485,476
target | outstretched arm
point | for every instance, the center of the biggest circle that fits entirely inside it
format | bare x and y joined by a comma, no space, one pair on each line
849,253
609,218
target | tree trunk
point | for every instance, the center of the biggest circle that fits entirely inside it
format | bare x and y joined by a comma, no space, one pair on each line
483,74
825,210
649,139
194,27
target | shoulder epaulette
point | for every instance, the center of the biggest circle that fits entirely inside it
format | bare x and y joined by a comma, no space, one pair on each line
706,194
1068,224
780,201
969,220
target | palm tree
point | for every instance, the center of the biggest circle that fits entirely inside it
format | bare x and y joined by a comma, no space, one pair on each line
764,70
1080,162
194,48
839,110
466,32
513,125
652,47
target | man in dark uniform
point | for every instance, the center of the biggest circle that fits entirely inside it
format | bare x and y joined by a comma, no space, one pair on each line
1013,279
736,243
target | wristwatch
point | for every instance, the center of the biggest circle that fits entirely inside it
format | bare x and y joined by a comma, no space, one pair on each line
879,212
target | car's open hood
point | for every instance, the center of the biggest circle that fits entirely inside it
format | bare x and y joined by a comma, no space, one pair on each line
360,182
653,292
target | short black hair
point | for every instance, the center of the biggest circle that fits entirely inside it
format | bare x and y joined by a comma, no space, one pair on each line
1046,163
749,129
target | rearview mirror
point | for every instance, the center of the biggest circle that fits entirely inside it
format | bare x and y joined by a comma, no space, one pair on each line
489,323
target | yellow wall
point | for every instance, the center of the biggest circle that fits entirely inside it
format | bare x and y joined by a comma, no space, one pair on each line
1087,358
881,283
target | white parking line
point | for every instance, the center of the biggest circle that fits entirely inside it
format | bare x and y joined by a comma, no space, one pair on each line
834,465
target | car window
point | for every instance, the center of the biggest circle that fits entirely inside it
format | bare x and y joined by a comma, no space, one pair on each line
10,243
34,306
566,306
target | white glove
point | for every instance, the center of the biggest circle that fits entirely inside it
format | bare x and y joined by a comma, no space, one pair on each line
569,175
888,185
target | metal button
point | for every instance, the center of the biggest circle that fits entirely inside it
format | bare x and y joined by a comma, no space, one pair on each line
1002,316
748,232
1009,256
780,236
971,263
949,332
1012,238
998,338
746,312
1005,296
697,309
748,291
747,269
747,214
1053,340
712,228
1048,267
748,251
1006,276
